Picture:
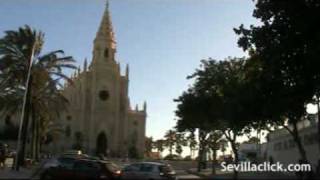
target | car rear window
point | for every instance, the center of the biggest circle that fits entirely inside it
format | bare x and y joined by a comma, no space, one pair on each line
146,168
166,169
112,167
132,167
86,166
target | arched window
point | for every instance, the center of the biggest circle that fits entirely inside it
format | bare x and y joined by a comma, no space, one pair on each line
106,53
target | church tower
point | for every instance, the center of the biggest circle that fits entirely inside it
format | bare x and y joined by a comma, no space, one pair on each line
106,86
99,102
104,43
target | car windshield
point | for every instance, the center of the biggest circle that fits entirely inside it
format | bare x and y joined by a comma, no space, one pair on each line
66,162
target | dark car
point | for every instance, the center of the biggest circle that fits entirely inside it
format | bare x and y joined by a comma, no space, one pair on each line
75,168
148,170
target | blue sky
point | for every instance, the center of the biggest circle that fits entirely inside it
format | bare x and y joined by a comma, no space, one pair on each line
162,40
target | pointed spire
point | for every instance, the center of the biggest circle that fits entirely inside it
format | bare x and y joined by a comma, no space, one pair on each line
105,30
145,106
127,71
85,64
107,4
104,44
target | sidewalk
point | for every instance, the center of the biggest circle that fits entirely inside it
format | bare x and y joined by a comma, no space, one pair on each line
8,173
23,173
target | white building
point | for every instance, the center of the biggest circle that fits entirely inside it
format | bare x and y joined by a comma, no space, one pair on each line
248,151
281,146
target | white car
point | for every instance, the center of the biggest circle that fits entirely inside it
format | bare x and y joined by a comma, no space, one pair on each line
148,170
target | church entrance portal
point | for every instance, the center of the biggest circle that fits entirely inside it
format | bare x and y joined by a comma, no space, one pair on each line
102,144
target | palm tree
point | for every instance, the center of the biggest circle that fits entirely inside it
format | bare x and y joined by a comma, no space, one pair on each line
48,131
159,145
20,53
180,141
170,138
192,143
45,107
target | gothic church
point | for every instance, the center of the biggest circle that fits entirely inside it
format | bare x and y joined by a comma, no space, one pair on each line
99,119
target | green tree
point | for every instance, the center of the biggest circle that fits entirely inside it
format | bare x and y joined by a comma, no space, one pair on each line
220,100
195,113
287,44
214,145
20,52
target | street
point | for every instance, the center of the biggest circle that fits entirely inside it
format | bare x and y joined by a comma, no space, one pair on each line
184,170
34,172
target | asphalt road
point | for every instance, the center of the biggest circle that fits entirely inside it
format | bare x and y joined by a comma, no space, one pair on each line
26,173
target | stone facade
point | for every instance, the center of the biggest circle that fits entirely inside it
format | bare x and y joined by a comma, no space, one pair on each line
99,117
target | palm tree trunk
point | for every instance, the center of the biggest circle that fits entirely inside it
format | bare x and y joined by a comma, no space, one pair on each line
24,129
37,140
33,131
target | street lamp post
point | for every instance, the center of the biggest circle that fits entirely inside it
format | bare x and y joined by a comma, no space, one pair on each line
17,160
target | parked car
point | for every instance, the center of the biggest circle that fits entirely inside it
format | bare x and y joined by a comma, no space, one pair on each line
53,162
148,170
75,168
